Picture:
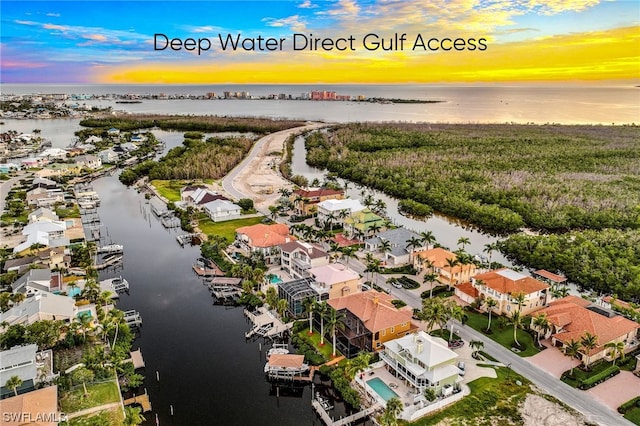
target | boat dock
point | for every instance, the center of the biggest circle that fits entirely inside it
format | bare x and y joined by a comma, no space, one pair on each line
136,359
132,318
207,268
109,261
170,222
117,285
185,239
111,249
265,324
327,420
222,292
142,400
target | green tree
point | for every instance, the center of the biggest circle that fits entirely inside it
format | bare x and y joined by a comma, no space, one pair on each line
430,278
542,325
434,312
133,416
490,303
309,304
82,375
391,412
477,346
516,321
349,252
451,263
321,309
616,349
335,322
588,342
454,312
357,364
281,307
427,238
44,333
14,383
463,241
571,350
271,297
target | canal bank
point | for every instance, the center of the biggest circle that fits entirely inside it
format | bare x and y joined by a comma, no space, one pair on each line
207,371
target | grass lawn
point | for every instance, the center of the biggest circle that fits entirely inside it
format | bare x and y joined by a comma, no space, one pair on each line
99,394
579,375
633,416
503,336
70,213
169,189
104,417
326,350
226,229
492,401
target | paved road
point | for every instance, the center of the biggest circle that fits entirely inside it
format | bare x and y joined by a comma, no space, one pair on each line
5,187
593,410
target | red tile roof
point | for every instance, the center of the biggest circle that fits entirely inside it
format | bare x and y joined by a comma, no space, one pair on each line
263,236
570,316
320,192
374,309
505,285
468,288
550,276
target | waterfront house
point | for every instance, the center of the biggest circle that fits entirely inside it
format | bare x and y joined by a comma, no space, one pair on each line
422,361
113,132
54,154
42,197
33,162
38,280
264,239
571,317
108,156
88,161
305,201
503,285
93,139
9,167
128,147
336,210
221,210
334,280
370,321
295,292
42,306
20,264
198,196
400,247
39,404
297,257
44,234
363,223
18,361
440,259
43,214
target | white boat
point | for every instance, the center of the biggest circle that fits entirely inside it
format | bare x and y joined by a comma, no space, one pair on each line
278,348
111,248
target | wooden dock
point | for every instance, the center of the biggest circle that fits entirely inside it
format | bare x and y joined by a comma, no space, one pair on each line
133,318
136,359
327,420
142,400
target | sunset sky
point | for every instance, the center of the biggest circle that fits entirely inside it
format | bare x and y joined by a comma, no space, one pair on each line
113,42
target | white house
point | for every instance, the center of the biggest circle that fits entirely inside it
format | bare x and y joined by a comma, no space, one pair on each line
93,139
336,210
221,210
89,161
53,154
46,234
18,361
108,156
297,257
422,361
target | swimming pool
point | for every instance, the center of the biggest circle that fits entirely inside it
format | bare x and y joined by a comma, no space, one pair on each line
275,279
73,291
382,389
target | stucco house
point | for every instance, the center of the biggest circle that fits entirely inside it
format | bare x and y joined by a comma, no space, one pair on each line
221,210
297,257
399,240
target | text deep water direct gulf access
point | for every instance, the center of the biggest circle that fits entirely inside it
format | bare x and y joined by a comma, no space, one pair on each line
303,42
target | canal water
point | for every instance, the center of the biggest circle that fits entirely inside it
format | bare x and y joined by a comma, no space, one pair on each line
207,370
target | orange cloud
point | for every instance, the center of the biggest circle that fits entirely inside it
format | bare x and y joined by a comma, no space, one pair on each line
601,55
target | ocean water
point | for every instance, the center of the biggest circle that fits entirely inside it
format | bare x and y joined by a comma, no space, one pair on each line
563,104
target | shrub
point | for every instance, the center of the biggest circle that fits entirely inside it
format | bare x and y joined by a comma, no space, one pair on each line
633,403
596,379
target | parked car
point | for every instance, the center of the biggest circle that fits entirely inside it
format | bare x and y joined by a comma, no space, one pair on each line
461,367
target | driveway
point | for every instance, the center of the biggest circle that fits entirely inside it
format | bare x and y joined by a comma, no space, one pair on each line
552,360
617,390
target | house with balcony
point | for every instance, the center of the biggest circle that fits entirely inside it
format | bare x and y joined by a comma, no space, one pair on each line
305,201
336,210
571,317
88,161
45,306
503,285
18,361
334,280
440,261
370,321
422,361
400,249
297,257
363,223
43,197
43,234
264,239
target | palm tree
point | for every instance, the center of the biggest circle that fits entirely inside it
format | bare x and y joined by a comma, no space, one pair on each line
558,292
412,244
427,238
375,228
430,278
588,341
349,252
489,248
14,383
117,318
284,192
490,303
571,350
321,308
476,345
433,312
384,246
379,207
334,249
516,321
133,416
463,241
335,322
542,324
84,322
451,262
281,307
615,349
309,303
454,312
519,299
368,200
357,364
391,412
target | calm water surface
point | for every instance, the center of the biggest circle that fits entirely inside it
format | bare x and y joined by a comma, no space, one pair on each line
208,371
